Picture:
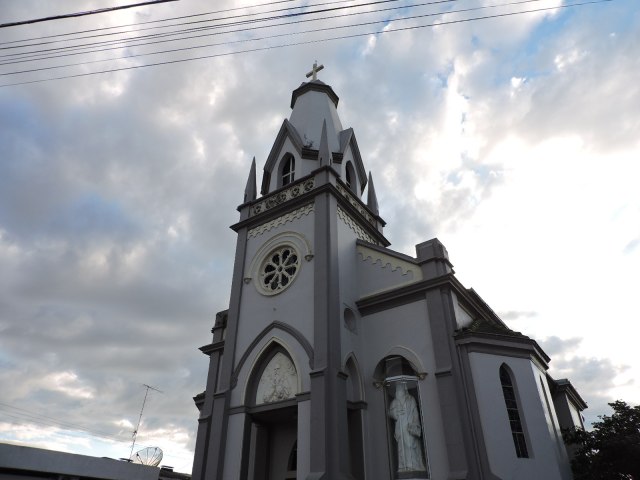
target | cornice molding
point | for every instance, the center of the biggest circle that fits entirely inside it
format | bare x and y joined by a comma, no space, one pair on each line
354,226
281,220
212,347
294,203
505,345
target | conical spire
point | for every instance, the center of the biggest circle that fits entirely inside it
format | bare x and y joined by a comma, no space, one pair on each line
250,191
372,200
324,152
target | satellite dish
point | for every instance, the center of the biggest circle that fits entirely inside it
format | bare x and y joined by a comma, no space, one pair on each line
151,456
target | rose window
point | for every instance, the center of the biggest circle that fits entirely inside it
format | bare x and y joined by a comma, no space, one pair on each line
279,269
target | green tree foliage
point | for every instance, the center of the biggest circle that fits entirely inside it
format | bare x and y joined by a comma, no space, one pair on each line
611,451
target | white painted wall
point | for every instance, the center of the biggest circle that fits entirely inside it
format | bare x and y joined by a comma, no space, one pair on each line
544,457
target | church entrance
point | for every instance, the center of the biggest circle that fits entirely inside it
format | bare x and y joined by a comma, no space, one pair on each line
273,447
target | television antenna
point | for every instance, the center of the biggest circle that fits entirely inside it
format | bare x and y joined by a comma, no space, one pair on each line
135,432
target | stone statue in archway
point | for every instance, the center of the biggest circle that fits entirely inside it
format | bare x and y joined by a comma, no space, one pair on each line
408,430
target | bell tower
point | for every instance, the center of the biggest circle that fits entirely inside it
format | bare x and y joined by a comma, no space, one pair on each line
282,398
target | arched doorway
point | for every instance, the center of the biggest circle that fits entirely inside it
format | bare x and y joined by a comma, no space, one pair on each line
273,412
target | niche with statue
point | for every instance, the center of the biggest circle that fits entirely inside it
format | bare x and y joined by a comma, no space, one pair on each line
404,420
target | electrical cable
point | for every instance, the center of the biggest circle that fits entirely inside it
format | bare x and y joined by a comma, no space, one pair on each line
343,37
178,32
268,37
256,28
161,26
82,14
52,422
21,422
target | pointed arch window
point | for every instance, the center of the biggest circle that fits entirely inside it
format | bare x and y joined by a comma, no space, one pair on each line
288,170
513,412
292,463
350,177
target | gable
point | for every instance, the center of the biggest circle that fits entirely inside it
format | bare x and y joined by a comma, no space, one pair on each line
287,131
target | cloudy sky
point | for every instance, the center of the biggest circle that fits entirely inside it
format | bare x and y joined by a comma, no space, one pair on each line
514,140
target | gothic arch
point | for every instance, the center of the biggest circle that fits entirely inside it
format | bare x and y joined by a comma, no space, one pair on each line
286,170
355,384
271,350
514,411
409,355
350,178
276,325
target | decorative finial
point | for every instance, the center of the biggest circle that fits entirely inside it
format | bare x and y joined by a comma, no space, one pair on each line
372,199
324,153
250,189
314,71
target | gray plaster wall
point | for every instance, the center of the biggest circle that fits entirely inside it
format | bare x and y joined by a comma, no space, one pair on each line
404,331
547,458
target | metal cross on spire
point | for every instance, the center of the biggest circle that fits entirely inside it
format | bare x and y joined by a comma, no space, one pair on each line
314,71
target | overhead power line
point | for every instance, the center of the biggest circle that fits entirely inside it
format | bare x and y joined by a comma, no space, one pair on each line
33,417
307,42
164,20
22,416
36,57
81,14
255,39
233,22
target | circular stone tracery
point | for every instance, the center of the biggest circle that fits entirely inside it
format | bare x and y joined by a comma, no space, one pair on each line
279,269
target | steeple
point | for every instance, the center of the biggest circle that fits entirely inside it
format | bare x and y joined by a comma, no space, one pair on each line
313,137
313,103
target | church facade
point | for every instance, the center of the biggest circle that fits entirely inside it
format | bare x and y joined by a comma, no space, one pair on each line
340,358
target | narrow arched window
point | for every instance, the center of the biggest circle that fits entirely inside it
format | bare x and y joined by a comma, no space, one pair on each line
288,171
510,400
350,177
292,463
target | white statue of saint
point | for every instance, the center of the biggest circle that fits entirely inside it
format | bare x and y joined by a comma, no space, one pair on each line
408,431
